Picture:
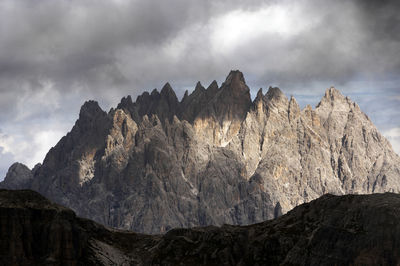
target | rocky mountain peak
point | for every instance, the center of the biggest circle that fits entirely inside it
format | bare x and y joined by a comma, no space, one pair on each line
274,93
168,105
213,85
167,90
212,90
199,87
90,109
232,100
276,100
260,95
235,74
155,93
125,102
332,92
192,104
90,115
185,95
142,97
18,174
169,94
294,109
235,81
292,99
333,97
220,158
259,101
334,104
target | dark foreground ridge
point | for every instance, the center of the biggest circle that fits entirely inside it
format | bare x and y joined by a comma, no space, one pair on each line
331,230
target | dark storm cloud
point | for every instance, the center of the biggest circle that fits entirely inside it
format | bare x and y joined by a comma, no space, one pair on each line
344,42
85,44
98,45
54,55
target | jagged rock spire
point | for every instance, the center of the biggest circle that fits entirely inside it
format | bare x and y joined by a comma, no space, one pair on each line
333,96
274,92
167,90
199,87
235,82
294,109
17,175
232,101
89,109
259,94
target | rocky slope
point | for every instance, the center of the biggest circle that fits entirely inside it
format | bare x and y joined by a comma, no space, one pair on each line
35,231
332,230
214,157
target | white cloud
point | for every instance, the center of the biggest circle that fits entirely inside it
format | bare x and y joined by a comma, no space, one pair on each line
240,26
33,101
393,135
6,142
30,147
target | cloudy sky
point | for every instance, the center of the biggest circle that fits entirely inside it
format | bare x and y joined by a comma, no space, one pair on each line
54,55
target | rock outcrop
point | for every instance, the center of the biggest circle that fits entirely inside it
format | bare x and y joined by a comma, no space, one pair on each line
214,158
332,230
18,175
35,231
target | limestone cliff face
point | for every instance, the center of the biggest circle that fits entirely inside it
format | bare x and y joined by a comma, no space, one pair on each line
215,157
71,164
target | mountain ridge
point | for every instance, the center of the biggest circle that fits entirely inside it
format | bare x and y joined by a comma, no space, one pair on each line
331,230
214,157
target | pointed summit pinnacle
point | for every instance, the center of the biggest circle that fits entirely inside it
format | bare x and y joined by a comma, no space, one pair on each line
89,109
333,95
259,97
235,83
274,92
167,89
235,76
199,87
185,95
332,91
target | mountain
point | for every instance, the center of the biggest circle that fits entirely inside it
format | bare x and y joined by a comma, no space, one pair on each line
215,157
332,230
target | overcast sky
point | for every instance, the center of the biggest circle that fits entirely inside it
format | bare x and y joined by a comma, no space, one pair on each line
54,55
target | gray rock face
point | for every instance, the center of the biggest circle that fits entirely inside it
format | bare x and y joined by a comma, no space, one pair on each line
18,175
216,157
